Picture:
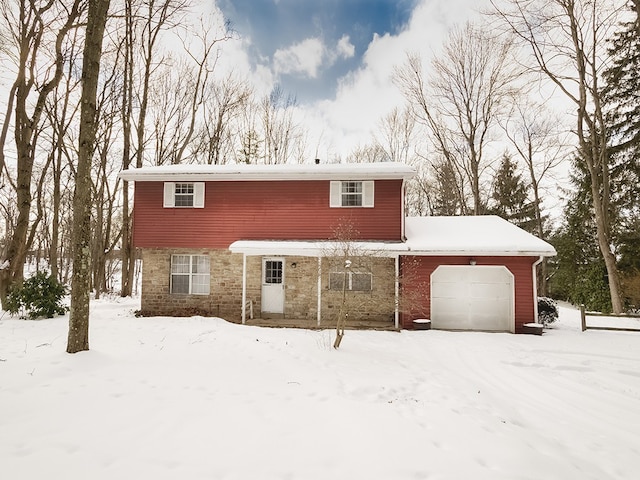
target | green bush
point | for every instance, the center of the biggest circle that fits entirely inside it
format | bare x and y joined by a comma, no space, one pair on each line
38,297
547,311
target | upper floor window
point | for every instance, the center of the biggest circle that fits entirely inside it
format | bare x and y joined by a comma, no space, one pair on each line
190,274
184,194
351,193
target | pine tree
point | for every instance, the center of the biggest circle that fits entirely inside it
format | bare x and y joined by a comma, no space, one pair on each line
510,196
622,95
622,104
579,273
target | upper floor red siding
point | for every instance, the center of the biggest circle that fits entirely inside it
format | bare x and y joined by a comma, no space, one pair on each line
254,210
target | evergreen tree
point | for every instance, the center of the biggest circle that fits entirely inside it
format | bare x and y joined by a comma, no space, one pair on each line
622,98
622,104
448,197
579,273
510,197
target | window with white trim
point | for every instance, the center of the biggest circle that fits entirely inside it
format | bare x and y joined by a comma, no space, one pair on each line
184,194
356,282
190,274
351,193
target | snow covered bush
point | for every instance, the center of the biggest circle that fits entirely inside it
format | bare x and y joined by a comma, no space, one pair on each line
547,310
38,297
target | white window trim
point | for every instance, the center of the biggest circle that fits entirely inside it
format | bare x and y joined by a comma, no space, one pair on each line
170,192
191,275
335,194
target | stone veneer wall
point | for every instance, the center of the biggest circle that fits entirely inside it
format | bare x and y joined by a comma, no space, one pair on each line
377,304
225,298
301,287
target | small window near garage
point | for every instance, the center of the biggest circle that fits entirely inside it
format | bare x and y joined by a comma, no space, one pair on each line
184,194
190,274
351,193
356,282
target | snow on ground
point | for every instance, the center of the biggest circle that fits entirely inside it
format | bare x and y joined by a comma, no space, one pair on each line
200,398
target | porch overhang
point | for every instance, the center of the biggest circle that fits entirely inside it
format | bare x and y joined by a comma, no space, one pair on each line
320,248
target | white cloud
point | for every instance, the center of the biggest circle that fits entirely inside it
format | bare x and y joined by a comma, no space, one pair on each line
365,95
345,49
304,57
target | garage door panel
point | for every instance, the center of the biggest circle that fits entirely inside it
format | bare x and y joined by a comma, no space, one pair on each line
447,290
489,290
472,298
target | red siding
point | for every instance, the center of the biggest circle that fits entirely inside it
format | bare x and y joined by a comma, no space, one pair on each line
279,210
520,267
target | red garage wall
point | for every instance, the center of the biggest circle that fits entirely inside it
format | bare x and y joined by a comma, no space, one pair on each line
419,270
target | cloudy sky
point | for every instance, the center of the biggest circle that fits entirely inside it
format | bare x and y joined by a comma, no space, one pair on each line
337,56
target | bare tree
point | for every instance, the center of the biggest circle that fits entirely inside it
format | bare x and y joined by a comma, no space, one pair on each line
78,339
280,131
31,31
223,102
396,134
567,41
144,22
540,141
462,101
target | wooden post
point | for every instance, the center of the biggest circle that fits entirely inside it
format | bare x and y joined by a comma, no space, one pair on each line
583,318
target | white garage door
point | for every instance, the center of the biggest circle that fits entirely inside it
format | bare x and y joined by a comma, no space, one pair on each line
465,297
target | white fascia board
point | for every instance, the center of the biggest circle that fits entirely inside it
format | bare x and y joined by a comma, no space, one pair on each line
221,173
380,249
314,248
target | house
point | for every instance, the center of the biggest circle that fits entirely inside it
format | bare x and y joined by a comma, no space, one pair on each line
286,241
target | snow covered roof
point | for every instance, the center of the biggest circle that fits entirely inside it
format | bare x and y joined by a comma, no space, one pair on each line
473,235
313,248
427,236
322,171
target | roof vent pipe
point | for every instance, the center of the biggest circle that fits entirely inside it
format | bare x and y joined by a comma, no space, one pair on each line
317,161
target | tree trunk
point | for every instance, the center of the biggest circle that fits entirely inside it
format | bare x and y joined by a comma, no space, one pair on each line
78,339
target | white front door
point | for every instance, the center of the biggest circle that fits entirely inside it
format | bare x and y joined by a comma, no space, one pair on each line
273,285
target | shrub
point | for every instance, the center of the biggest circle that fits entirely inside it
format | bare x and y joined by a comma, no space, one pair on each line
38,297
547,311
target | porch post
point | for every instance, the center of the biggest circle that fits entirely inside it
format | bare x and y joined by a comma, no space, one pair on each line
244,288
397,293
319,315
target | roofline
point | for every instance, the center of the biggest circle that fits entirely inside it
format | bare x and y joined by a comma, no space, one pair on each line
380,249
221,173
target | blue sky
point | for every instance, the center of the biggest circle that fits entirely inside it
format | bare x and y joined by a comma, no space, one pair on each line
342,30
337,57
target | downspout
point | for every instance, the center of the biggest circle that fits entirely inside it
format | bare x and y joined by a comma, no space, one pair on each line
535,288
319,314
397,293
403,237
244,288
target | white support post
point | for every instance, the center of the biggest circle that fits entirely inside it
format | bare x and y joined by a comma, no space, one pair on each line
244,288
319,315
397,293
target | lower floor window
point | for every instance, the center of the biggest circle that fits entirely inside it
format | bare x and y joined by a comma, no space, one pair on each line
356,282
190,274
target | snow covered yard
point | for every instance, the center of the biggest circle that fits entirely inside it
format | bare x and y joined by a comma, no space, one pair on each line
200,398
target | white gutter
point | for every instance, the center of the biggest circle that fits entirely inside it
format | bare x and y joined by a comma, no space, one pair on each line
397,293
352,171
535,288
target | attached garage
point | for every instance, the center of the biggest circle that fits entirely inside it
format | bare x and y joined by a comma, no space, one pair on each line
472,297
470,273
